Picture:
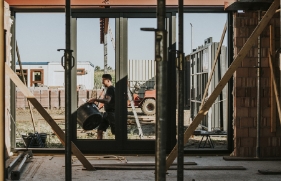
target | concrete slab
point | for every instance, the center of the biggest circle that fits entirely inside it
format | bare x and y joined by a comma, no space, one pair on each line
51,168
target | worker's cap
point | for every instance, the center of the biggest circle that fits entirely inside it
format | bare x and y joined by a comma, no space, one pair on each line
107,76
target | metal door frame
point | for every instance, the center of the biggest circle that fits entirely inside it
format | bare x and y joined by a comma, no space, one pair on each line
121,143
142,146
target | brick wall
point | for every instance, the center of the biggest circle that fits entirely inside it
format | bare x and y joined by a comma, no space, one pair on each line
53,98
245,90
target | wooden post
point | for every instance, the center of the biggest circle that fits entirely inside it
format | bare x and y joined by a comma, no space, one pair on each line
228,74
57,130
272,97
2,94
214,64
276,92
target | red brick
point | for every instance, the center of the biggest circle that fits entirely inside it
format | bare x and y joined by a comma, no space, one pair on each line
264,62
251,82
265,41
237,142
264,142
274,141
240,152
265,102
265,82
253,91
247,142
242,112
240,81
242,72
266,112
266,132
252,72
266,93
252,151
246,122
241,132
253,52
249,62
239,42
240,91
36,93
252,112
236,122
252,132
44,93
265,72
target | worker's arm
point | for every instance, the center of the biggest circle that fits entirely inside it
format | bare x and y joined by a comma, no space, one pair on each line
106,100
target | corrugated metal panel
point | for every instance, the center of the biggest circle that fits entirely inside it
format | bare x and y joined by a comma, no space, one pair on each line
201,62
141,73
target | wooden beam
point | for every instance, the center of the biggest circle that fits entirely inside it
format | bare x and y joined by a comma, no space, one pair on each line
3,149
214,64
276,92
272,97
228,74
57,130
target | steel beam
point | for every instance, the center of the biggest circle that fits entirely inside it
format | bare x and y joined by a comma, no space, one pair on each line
181,84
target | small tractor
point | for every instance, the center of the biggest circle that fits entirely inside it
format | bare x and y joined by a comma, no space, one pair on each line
147,103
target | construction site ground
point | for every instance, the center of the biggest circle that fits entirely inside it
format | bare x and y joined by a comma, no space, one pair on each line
52,168
24,126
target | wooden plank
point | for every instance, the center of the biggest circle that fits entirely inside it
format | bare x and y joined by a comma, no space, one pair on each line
270,172
276,92
214,64
228,74
272,97
58,131
127,167
235,158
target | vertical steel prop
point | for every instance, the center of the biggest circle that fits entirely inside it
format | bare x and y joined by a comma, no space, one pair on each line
258,92
67,62
2,94
180,128
161,91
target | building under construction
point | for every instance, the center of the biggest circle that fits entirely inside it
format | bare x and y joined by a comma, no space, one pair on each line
215,112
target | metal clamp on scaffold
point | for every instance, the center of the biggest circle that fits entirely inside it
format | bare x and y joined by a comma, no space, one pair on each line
160,42
67,54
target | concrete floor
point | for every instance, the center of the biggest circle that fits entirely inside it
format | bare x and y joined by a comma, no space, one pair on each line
51,168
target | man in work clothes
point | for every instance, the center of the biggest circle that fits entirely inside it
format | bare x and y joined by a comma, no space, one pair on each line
109,106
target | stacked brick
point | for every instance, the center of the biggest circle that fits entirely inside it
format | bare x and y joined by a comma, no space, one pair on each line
54,98
245,90
81,96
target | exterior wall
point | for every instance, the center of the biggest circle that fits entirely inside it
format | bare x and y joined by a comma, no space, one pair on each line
245,91
7,26
38,67
141,72
56,75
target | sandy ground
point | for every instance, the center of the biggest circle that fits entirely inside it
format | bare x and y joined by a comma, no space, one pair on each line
25,126
51,168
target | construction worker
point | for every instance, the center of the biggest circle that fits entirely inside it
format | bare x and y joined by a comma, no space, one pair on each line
109,106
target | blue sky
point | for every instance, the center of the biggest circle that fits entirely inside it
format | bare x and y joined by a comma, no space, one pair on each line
39,35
